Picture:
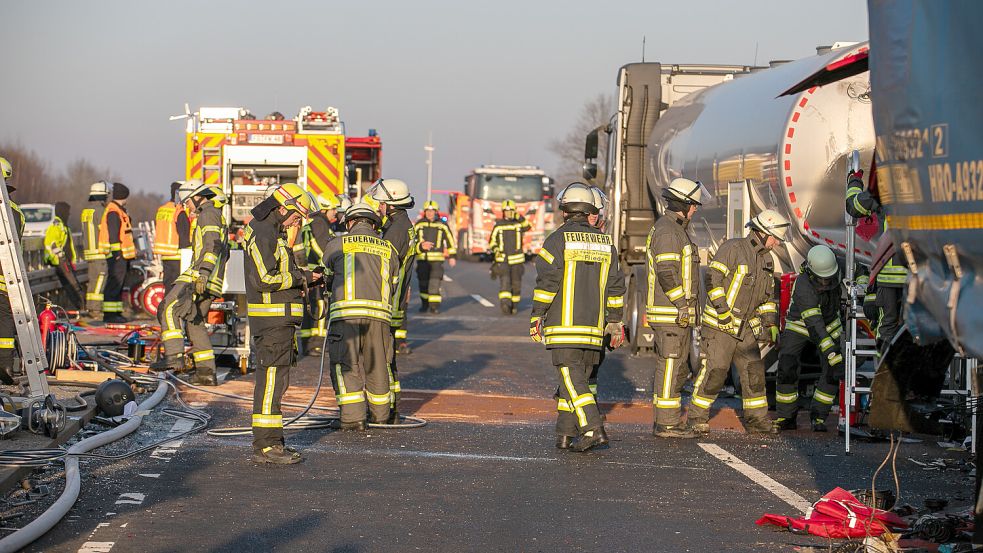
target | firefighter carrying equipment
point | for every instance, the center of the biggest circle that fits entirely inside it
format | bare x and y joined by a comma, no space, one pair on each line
670,309
392,192
577,198
771,223
740,308
579,289
813,316
362,269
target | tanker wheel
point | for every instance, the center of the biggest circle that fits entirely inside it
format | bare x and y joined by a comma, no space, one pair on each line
152,295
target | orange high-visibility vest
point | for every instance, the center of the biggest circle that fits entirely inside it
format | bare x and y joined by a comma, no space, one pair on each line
165,235
125,238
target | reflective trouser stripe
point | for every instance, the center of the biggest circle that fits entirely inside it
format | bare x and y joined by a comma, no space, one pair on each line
377,399
755,402
112,306
786,398
350,398
578,408
6,343
593,389
664,400
504,295
268,390
697,400
563,405
268,421
400,334
433,298
203,355
823,397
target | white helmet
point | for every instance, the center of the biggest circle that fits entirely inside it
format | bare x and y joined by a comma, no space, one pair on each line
684,190
822,261
577,197
344,202
393,192
771,223
100,188
187,189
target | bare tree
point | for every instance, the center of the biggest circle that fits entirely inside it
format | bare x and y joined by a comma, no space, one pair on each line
569,150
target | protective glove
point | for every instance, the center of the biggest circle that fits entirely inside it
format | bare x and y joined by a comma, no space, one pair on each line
617,332
536,329
726,323
773,334
201,283
682,319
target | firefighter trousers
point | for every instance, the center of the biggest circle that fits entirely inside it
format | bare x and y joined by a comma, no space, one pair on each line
787,379
429,275
8,335
889,305
576,407
397,336
275,354
172,270
112,303
182,308
96,286
510,285
719,351
360,353
672,347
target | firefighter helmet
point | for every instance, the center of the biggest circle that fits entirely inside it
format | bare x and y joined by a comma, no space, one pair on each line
7,168
328,201
577,198
508,205
187,189
362,210
295,198
822,261
771,223
600,198
99,189
344,203
686,191
431,204
393,192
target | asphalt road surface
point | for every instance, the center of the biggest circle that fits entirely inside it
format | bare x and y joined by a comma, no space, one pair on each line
483,475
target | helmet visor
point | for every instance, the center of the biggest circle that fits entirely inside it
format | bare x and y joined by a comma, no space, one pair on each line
698,194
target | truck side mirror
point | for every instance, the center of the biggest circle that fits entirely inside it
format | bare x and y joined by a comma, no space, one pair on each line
590,146
590,170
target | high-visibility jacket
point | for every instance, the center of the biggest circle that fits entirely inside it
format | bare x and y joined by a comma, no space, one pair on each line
673,271
861,203
274,282
318,233
209,246
58,244
815,314
740,282
579,286
116,232
437,232
167,231
362,270
19,225
90,219
506,240
398,230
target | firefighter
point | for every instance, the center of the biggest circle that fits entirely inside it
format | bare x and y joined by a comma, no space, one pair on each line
434,243
506,245
672,294
172,233
344,203
359,336
889,284
95,256
59,252
740,311
597,220
579,287
317,233
274,292
116,237
393,199
190,299
813,316
8,331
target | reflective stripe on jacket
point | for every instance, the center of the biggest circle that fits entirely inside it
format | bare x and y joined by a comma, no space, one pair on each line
398,231
91,218
123,242
166,241
814,313
506,240
274,283
58,243
209,246
740,281
437,232
362,273
673,271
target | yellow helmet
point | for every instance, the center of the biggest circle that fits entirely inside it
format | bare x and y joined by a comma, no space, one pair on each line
328,201
6,168
295,198
430,204
372,202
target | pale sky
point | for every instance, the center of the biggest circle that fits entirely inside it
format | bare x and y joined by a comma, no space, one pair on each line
493,81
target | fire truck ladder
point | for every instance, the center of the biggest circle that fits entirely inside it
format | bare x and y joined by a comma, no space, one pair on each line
43,412
207,169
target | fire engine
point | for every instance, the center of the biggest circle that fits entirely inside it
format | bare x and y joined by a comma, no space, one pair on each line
364,156
473,213
231,148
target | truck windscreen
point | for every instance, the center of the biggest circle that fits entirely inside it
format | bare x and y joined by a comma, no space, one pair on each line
497,188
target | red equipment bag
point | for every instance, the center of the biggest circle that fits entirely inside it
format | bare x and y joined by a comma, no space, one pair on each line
838,514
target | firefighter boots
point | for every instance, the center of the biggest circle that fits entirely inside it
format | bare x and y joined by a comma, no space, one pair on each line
205,377
698,427
785,424
354,426
590,440
760,425
277,455
564,442
674,431
168,363
818,425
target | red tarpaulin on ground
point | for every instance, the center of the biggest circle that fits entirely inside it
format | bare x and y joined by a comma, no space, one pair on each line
838,514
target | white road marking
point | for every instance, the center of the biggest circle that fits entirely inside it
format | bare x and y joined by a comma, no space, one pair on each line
482,300
166,450
131,498
151,475
97,547
448,279
758,477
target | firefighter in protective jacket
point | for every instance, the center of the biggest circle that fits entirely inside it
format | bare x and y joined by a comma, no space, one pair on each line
316,235
275,294
506,245
116,237
813,317
8,329
94,255
888,285
740,311
361,271
434,243
190,298
673,291
578,299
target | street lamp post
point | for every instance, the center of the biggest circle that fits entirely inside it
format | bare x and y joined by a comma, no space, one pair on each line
429,149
